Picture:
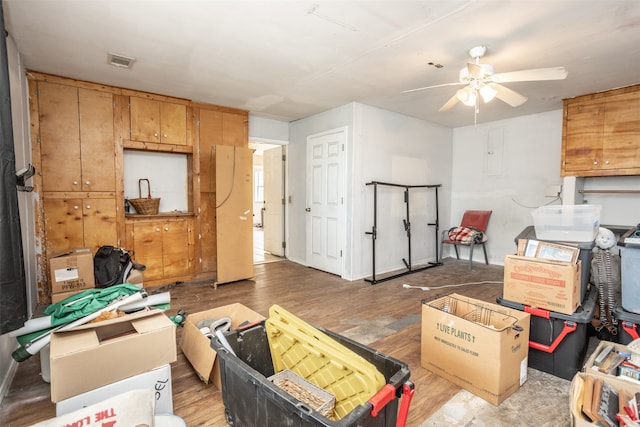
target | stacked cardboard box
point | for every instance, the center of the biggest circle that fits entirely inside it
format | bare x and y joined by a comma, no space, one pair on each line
97,360
71,272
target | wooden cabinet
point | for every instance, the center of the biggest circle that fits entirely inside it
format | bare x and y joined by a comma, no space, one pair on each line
77,223
164,245
158,121
601,134
80,130
76,138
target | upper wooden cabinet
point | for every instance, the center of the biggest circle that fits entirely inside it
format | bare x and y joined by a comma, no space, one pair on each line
158,121
601,134
76,138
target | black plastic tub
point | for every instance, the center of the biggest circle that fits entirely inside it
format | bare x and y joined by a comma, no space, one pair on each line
558,342
251,400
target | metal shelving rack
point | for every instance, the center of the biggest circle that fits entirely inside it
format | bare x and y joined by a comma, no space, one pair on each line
407,226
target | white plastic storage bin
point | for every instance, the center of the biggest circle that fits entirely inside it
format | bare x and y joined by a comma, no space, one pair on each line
567,223
630,278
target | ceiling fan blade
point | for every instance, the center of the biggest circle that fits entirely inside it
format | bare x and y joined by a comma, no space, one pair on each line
557,73
507,95
449,104
475,70
431,87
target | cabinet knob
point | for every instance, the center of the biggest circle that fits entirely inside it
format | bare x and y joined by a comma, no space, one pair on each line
166,229
606,162
157,229
75,182
88,206
155,134
595,162
76,207
87,182
165,135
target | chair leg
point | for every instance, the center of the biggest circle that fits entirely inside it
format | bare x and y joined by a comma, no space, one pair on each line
470,256
441,248
456,248
484,248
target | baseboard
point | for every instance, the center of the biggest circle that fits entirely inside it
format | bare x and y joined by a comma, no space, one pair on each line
5,385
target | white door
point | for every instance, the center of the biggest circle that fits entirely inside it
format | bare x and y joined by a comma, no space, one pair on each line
272,224
325,200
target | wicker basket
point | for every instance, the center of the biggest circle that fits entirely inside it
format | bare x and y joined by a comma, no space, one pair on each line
148,205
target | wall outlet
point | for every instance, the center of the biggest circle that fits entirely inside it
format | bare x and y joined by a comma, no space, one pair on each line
552,190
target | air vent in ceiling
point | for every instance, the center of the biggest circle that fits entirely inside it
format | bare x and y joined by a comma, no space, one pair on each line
120,60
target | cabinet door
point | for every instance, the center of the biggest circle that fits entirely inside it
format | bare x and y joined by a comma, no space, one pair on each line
234,209
145,119
622,132
584,123
63,225
97,140
233,130
147,246
210,136
59,137
173,123
99,223
175,247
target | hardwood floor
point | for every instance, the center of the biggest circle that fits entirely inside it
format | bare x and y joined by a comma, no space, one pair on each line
312,295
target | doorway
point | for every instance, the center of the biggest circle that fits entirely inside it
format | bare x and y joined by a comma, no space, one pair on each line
268,206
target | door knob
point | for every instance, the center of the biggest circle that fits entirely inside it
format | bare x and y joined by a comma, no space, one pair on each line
308,209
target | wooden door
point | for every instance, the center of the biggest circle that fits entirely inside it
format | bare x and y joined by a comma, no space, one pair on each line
147,246
97,140
173,123
145,119
63,225
621,146
584,124
99,223
59,137
234,213
175,248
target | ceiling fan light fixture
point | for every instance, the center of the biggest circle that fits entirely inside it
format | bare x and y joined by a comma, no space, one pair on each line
487,93
467,96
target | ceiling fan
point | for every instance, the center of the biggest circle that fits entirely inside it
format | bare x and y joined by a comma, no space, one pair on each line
481,82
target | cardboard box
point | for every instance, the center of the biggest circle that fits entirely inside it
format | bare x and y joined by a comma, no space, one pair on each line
134,408
197,347
551,285
479,346
72,271
97,354
157,380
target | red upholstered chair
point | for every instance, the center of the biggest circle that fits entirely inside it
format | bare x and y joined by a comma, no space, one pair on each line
473,219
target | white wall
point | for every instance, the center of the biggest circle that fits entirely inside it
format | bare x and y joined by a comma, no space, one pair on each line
268,130
20,122
296,172
394,148
504,166
512,180
381,146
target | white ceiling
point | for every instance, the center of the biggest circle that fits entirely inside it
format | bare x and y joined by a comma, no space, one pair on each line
290,59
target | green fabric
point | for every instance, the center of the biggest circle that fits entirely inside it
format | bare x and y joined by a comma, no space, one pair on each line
86,302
